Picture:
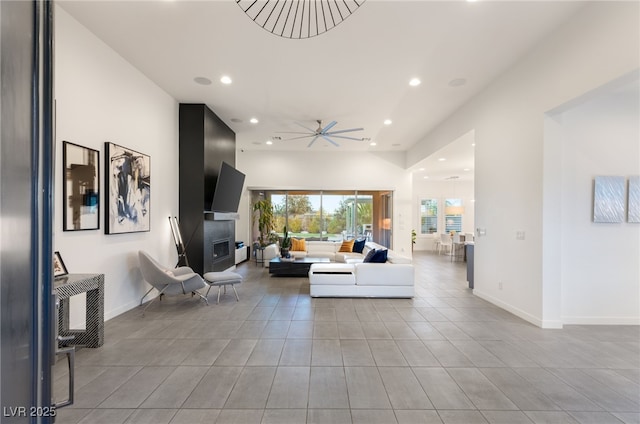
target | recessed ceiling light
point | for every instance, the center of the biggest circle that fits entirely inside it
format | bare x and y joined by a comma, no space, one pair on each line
388,121
471,1
269,142
253,120
442,159
466,169
414,82
373,143
225,79
473,144
458,82
421,169
202,81
426,177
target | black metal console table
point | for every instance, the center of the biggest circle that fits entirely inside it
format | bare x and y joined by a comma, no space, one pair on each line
71,285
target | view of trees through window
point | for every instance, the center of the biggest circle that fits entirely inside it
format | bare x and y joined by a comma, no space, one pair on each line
323,215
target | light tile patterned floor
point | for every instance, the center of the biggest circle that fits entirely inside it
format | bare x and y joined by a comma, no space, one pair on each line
278,356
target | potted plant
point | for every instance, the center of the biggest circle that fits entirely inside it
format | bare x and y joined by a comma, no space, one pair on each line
413,238
265,220
286,243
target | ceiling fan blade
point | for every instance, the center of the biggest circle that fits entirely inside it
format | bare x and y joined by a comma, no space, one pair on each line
292,132
328,127
313,141
344,131
329,140
306,128
298,138
346,138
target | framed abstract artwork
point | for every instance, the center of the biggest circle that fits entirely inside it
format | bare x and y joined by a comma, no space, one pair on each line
81,188
608,199
127,190
633,213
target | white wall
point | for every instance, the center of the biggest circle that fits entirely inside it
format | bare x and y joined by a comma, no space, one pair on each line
101,97
441,190
333,170
599,44
599,267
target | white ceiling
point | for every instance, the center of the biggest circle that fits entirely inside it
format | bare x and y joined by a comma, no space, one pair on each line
356,74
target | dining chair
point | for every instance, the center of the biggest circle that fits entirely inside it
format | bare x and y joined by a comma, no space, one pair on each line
445,242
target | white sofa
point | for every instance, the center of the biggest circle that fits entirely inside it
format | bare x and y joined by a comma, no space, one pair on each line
348,276
361,280
330,250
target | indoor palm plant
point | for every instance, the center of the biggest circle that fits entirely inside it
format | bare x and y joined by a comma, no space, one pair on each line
265,220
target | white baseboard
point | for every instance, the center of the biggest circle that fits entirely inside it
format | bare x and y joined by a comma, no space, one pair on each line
576,320
519,312
122,309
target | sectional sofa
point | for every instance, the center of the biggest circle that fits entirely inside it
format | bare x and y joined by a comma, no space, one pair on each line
348,276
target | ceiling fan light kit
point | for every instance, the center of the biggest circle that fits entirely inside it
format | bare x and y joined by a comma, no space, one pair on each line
323,132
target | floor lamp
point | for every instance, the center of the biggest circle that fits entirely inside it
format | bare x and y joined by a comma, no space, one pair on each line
177,238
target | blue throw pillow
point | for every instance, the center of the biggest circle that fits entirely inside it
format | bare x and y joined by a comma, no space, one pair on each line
369,255
358,246
379,257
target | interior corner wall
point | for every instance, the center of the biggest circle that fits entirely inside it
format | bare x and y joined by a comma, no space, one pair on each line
327,170
441,190
599,269
599,44
101,97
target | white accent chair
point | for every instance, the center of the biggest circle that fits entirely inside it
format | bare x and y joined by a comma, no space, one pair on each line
181,280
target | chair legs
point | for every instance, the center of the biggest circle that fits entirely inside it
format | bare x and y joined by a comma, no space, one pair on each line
151,301
225,291
162,294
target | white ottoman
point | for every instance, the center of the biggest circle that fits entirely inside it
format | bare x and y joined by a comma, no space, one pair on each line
221,279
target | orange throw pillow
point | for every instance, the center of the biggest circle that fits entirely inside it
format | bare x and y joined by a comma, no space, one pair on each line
298,245
347,246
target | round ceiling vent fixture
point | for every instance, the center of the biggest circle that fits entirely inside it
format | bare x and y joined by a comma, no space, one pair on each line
297,19
458,82
202,81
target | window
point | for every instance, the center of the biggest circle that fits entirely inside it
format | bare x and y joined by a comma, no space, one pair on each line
453,212
428,216
325,215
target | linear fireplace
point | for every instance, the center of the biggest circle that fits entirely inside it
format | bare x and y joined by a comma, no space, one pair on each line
219,247
220,250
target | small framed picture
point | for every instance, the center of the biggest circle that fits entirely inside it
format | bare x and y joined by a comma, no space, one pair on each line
58,266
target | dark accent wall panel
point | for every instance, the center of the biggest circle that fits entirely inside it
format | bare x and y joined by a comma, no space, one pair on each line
205,141
219,146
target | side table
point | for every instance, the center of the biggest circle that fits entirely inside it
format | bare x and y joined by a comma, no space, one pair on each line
259,252
71,285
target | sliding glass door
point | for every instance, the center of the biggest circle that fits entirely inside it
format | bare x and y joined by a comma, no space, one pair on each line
329,215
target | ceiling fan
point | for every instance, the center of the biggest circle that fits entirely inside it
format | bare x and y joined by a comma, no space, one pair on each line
323,132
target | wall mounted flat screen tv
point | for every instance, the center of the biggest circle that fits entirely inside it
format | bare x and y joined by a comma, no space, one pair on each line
226,197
